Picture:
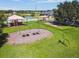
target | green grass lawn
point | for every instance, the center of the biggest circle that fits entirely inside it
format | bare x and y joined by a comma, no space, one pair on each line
48,47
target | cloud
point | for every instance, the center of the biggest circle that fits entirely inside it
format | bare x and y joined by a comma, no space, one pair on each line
55,1
16,0
50,1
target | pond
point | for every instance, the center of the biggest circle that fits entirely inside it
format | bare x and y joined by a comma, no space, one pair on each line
30,18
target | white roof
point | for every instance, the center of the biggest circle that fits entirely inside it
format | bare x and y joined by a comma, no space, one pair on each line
15,17
44,16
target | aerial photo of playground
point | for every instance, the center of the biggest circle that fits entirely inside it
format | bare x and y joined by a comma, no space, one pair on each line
39,29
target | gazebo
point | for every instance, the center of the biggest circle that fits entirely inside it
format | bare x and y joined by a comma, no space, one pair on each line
15,20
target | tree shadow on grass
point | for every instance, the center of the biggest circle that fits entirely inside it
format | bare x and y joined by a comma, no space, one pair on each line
65,42
3,37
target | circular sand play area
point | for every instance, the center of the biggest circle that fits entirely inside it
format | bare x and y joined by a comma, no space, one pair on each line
28,36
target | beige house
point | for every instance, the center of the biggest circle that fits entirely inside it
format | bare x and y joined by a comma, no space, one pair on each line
46,18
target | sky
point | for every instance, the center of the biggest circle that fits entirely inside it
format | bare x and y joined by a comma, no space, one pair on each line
29,4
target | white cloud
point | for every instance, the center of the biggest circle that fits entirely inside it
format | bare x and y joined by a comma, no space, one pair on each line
16,0
49,1
55,1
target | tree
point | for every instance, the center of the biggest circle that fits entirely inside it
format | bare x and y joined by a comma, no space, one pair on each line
67,12
3,37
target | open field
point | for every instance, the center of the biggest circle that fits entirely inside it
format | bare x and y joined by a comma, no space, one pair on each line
50,47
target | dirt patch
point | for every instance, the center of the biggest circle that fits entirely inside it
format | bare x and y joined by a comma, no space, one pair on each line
28,36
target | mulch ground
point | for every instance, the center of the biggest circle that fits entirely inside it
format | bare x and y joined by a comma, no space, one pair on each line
28,36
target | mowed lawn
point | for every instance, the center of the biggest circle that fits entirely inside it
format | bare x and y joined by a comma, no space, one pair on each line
49,47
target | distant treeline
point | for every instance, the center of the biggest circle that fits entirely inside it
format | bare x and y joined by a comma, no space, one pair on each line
5,13
23,11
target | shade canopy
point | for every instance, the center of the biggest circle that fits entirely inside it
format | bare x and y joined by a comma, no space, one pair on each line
44,16
15,17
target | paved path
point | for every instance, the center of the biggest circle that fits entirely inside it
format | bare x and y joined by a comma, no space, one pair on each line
60,27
